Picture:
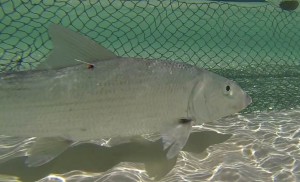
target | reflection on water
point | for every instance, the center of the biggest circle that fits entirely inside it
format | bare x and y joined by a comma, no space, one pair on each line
261,146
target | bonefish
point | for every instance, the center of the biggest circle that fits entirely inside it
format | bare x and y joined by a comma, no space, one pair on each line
64,101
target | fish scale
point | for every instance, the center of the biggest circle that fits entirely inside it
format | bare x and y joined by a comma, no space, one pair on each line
94,104
83,92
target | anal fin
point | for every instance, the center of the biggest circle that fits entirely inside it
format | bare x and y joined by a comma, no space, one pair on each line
176,137
46,149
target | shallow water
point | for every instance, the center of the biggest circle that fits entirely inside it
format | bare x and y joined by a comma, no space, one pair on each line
257,47
252,146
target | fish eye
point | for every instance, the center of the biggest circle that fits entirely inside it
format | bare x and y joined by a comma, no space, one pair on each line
227,88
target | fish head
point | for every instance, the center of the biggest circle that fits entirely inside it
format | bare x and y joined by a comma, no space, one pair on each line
215,97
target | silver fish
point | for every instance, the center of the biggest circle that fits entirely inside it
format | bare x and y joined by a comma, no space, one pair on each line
63,100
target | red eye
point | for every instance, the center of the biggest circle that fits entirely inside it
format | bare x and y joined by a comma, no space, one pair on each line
90,66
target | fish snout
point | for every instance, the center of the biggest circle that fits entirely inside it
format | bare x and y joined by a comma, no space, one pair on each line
248,100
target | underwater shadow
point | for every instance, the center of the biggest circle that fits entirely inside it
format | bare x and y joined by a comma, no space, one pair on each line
94,158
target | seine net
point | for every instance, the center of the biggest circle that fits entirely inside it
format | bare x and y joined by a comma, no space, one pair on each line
256,44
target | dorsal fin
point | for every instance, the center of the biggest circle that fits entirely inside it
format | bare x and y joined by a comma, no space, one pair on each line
69,45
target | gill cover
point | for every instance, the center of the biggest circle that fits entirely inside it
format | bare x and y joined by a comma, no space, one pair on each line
214,97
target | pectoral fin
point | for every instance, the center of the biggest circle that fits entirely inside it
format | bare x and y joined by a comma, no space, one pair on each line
46,149
176,137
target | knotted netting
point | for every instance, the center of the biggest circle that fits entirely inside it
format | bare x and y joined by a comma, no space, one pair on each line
255,44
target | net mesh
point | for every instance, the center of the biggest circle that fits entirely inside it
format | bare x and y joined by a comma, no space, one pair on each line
257,45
